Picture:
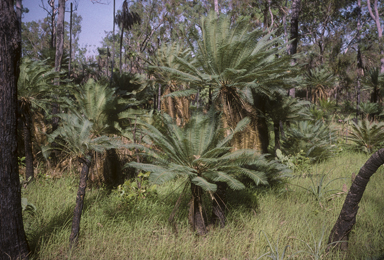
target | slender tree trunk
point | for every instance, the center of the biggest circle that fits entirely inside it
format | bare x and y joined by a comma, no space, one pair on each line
216,3
113,42
53,28
359,61
70,42
28,147
13,243
121,46
79,201
276,130
219,204
59,56
347,217
195,216
295,12
376,17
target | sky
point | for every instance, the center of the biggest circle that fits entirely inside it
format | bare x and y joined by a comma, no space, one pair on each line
97,18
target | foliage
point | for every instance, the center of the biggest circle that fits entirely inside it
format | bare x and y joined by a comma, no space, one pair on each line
298,162
368,108
35,86
367,135
136,189
319,80
319,187
76,137
275,252
316,139
200,152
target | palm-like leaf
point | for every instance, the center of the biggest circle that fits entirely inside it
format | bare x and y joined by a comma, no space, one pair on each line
367,134
319,80
235,63
198,151
315,139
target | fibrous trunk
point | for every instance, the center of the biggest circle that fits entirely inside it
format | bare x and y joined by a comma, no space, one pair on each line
13,243
79,201
219,203
347,217
195,216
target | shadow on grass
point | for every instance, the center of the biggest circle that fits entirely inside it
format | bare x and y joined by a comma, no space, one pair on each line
44,229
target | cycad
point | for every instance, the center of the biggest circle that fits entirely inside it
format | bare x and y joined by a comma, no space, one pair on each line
315,139
75,137
319,80
235,63
367,135
35,91
98,104
177,106
200,152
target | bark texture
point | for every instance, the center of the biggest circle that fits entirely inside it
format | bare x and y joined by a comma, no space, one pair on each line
347,217
219,203
195,216
13,243
79,201
294,35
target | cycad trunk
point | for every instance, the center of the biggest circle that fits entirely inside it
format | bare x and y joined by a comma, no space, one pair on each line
347,217
178,107
219,203
28,147
196,216
79,201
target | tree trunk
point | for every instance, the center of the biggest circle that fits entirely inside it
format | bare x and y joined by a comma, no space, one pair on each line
79,201
359,62
121,46
58,56
219,203
13,243
28,147
295,11
195,216
113,42
376,18
347,217
70,42
262,126
276,130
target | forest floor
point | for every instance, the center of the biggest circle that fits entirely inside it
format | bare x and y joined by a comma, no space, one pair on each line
261,222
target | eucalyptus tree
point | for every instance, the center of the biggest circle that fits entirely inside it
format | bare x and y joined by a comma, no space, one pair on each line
76,137
35,93
238,65
13,243
201,153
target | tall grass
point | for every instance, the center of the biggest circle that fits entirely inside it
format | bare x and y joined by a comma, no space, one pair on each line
289,216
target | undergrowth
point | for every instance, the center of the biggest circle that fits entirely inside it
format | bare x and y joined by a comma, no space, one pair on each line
276,223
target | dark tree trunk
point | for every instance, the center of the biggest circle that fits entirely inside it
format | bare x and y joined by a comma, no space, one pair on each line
195,216
294,35
359,62
347,217
79,201
28,147
121,47
262,126
13,243
219,203
276,130
113,43
59,55
70,42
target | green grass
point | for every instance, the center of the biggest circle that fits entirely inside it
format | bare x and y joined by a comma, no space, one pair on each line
261,221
